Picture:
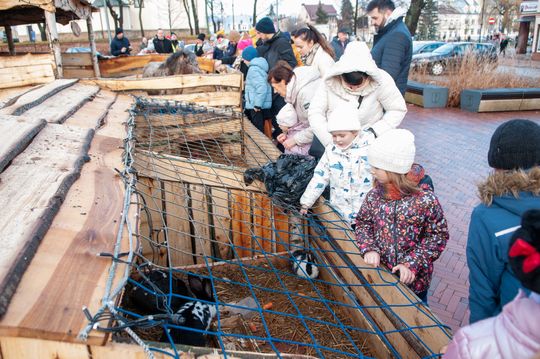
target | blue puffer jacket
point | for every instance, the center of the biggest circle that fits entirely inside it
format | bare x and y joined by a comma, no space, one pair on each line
392,49
258,92
492,283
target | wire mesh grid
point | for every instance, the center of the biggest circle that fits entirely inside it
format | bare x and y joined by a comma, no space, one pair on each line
199,219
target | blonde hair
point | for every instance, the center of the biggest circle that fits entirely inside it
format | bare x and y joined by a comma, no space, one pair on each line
404,185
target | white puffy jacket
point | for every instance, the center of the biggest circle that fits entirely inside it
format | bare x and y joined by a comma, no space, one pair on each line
382,107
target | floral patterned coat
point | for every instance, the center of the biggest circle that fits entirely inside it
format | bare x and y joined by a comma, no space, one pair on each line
410,231
348,174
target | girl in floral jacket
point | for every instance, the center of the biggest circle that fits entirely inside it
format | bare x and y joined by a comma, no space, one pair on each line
401,223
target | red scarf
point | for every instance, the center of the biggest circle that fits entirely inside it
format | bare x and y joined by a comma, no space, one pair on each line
415,175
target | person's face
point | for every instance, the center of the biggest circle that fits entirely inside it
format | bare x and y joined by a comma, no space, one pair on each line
160,34
144,40
380,175
303,46
120,35
279,87
174,37
342,36
378,18
262,36
343,139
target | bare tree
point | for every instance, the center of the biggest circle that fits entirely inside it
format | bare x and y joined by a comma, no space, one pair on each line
170,15
188,13
195,16
141,5
507,9
413,15
211,5
254,13
43,34
118,17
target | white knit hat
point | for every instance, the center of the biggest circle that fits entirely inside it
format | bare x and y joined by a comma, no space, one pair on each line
344,118
393,151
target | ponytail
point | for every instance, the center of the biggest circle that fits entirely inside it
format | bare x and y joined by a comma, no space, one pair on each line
310,33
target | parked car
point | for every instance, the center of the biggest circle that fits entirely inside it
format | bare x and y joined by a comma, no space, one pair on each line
421,47
449,56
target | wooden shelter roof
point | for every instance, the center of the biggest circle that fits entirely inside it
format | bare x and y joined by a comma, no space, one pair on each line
21,12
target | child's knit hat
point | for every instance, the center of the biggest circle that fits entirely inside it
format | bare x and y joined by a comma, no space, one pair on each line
393,151
249,53
343,118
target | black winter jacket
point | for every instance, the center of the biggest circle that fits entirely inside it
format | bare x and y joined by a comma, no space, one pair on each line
275,49
117,44
163,46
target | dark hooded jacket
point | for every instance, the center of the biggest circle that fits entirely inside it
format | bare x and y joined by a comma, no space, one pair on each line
277,48
117,44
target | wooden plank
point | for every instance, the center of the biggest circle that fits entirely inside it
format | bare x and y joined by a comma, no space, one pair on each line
24,348
23,76
206,65
178,228
9,96
117,117
201,227
132,351
179,169
26,60
93,113
241,223
402,313
15,135
36,97
281,229
258,149
210,99
57,108
78,73
153,222
76,59
262,223
171,82
221,213
127,65
38,179
196,131
267,224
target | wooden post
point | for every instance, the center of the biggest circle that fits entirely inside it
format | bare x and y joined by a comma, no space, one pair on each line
9,35
54,43
92,40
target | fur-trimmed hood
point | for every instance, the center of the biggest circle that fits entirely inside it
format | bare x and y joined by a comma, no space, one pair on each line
503,185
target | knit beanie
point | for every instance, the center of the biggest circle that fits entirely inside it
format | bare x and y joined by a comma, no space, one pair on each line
201,37
515,144
343,118
119,30
524,251
265,25
393,151
249,53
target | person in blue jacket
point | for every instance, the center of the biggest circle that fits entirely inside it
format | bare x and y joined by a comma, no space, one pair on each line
258,93
392,44
512,189
120,44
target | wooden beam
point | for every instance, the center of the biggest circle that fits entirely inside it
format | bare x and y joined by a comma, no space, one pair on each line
92,40
26,60
171,82
9,36
209,99
179,169
127,65
31,191
15,134
54,42
35,97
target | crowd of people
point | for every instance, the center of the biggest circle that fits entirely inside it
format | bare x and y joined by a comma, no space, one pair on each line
342,103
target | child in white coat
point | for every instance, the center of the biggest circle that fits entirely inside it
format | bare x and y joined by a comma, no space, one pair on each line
343,166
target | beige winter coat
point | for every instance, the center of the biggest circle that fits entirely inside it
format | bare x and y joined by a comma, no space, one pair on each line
382,107
320,60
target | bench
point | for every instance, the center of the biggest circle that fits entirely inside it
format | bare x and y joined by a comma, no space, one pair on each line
500,99
425,95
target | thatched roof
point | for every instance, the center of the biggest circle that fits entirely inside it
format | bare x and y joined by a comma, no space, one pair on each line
21,12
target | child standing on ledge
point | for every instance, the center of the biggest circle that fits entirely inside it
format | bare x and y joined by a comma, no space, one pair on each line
401,223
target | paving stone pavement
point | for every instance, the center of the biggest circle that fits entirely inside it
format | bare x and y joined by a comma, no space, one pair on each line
452,145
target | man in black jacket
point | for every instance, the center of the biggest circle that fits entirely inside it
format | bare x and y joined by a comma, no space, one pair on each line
162,45
120,45
272,45
392,44
339,43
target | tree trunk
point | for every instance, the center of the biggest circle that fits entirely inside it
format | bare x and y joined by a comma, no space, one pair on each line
186,7
355,17
195,16
211,4
141,4
413,15
9,36
113,14
42,32
121,16
170,16
254,13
